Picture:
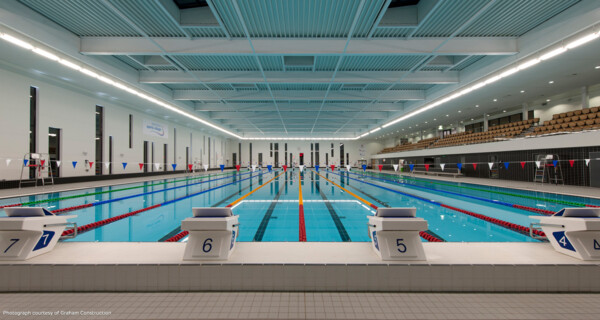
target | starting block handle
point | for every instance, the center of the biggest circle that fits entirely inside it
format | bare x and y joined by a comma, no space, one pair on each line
72,225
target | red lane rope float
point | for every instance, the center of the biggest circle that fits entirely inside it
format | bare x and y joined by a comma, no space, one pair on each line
11,205
100,223
591,205
536,210
423,234
182,234
302,224
429,237
502,223
63,210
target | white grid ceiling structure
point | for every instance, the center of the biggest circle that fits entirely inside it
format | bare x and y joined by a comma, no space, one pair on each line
299,68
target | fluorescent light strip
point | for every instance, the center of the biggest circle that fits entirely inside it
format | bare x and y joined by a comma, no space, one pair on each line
493,79
74,66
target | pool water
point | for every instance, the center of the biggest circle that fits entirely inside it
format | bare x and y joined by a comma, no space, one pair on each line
271,212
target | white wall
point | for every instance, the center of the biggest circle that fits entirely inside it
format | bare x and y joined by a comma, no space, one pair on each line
74,112
357,150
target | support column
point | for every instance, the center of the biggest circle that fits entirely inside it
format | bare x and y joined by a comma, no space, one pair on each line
485,122
525,111
585,101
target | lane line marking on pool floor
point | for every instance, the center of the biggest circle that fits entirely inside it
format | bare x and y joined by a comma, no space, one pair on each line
183,234
334,216
100,223
508,225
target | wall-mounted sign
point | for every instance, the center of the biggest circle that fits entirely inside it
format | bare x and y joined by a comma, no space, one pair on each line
156,129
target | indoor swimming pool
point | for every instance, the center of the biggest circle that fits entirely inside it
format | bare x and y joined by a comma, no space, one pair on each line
288,206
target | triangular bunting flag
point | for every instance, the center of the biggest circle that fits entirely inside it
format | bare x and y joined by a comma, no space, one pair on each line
364,166
107,164
25,161
205,166
8,162
237,167
42,162
571,162
395,167
74,164
284,167
157,165
317,168
91,164
141,166
538,164
58,163
222,166
587,162
506,165
474,166
491,165
555,162
459,165
442,165
411,166
190,166
174,165
253,167
348,167
270,167
427,167
380,167
332,167
522,164
301,168
124,165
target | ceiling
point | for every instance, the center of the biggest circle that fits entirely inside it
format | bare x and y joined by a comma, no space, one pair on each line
302,68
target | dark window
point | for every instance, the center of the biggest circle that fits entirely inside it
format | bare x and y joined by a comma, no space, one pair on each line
341,154
130,131
32,126
250,150
332,150
99,138
174,146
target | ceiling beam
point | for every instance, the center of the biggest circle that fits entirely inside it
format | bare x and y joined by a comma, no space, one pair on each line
329,106
305,46
294,115
231,96
421,77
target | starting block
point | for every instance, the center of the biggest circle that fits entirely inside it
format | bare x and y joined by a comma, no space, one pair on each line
212,234
573,231
27,232
394,234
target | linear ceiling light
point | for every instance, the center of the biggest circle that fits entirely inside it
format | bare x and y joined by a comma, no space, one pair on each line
116,84
492,79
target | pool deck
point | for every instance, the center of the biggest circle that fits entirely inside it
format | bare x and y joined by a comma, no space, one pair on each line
280,266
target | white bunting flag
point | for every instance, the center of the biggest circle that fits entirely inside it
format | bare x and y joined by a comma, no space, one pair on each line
538,163
8,162
301,168
107,164
58,163
205,167
253,167
442,165
157,165
348,167
491,164
587,162
395,167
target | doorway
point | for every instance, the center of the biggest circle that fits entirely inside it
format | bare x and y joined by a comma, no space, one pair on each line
260,160
234,157
145,156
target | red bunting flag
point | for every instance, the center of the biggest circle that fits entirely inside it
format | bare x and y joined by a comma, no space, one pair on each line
571,162
522,164
44,161
380,167
190,166
284,167
427,167
141,166
332,167
91,164
474,166
237,167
